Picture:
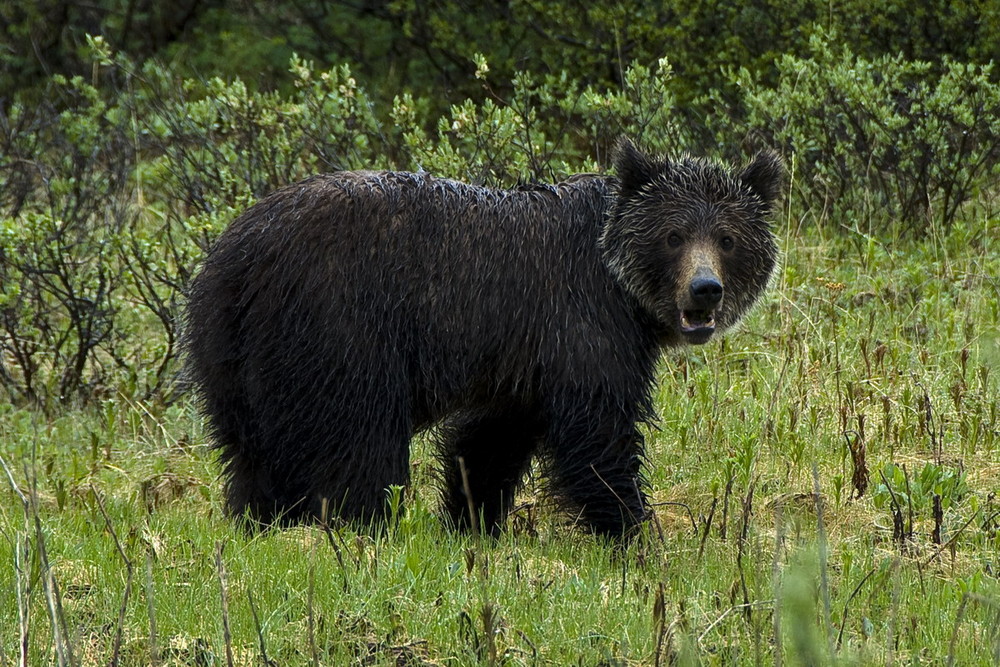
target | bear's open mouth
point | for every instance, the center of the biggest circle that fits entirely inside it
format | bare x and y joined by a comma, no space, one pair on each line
697,323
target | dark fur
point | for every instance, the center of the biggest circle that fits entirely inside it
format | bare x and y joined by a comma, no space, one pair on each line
340,315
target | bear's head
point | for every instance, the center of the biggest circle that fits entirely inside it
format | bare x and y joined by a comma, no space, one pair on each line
690,240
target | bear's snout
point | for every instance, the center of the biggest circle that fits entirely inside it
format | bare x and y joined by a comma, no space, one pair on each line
697,314
706,291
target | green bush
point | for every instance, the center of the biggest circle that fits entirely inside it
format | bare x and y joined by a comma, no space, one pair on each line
428,48
545,130
62,207
883,145
112,196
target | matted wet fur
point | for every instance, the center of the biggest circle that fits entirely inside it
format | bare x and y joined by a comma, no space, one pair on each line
340,315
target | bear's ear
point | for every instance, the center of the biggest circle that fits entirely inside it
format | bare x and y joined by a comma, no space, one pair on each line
764,175
634,168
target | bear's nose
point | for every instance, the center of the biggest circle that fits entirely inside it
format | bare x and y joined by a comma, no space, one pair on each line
706,292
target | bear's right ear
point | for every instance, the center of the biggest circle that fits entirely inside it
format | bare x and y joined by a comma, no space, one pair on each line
634,169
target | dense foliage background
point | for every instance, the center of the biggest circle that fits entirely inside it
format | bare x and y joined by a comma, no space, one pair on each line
132,132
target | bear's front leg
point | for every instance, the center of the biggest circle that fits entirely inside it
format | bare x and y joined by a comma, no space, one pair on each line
595,458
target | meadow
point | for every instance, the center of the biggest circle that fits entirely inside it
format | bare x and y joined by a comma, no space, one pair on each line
826,483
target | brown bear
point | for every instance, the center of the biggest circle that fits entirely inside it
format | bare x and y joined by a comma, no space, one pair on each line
341,315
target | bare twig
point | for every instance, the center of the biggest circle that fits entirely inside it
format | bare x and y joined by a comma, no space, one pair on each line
824,582
843,622
310,617
22,581
13,484
708,527
129,574
909,503
325,525
659,623
890,633
220,568
859,462
958,532
154,650
23,589
694,524
60,631
725,506
954,631
745,607
898,530
621,502
779,538
260,631
473,516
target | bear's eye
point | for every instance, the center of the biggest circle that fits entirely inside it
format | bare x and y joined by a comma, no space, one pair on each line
727,243
674,241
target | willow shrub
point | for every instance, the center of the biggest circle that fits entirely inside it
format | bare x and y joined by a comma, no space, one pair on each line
885,145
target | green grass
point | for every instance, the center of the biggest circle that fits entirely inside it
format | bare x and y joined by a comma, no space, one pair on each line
121,554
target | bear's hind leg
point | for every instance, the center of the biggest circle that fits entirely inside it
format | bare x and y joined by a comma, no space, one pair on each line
359,466
335,465
493,450
256,498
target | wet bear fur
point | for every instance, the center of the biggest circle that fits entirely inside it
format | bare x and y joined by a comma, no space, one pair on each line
341,315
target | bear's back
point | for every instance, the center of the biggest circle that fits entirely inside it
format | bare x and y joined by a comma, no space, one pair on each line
412,205
405,263
416,235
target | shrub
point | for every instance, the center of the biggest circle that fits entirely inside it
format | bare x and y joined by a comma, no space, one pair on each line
546,129
64,203
885,140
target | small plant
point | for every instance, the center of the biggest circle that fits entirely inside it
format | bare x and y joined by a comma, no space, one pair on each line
918,491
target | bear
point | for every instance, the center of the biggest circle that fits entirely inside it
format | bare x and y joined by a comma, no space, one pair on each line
339,316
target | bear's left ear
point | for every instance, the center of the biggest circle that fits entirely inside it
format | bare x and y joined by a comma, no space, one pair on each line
764,175
633,167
